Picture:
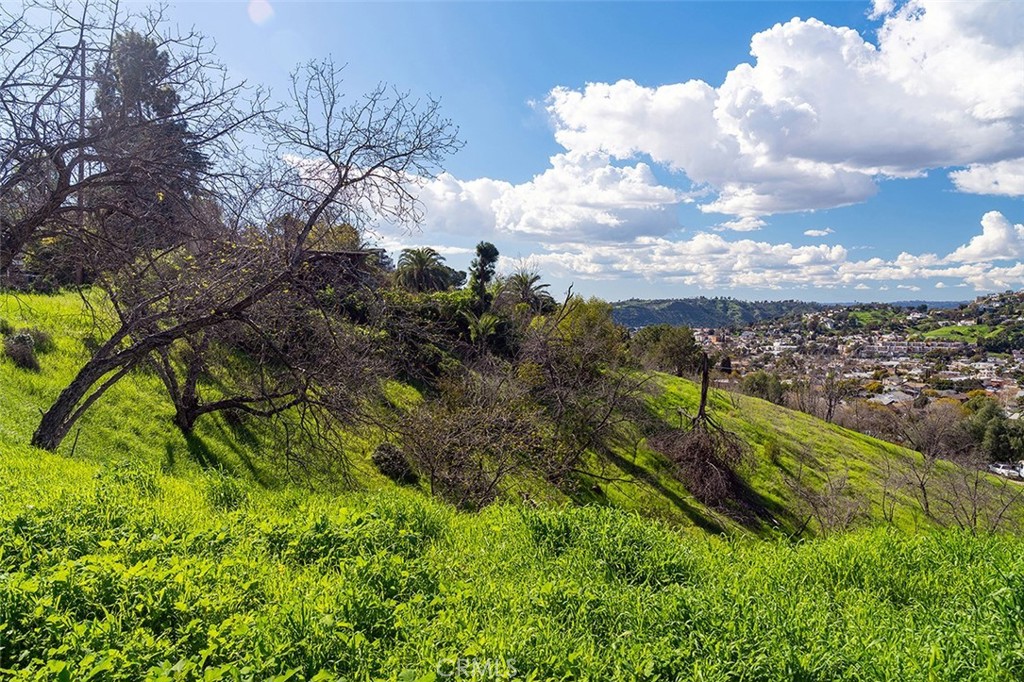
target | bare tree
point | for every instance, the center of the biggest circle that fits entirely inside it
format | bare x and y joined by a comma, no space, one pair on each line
938,433
834,390
482,428
938,430
833,504
329,165
704,454
974,500
892,484
288,350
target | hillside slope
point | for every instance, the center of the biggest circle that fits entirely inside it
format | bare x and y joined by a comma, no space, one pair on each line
137,554
706,312
793,459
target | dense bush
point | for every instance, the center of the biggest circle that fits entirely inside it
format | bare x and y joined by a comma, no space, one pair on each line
392,462
666,348
20,348
41,339
764,385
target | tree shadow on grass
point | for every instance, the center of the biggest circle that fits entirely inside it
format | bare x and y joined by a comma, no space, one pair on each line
651,480
753,510
201,454
242,441
704,472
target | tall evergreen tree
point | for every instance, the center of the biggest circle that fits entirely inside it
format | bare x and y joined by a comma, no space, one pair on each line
481,272
145,143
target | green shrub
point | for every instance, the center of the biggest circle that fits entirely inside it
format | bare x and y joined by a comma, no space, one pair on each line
22,350
5,327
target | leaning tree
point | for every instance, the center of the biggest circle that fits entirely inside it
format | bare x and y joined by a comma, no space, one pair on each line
327,163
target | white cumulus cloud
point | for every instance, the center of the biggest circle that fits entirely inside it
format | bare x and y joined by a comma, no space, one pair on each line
1002,177
999,240
742,224
822,113
582,195
711,261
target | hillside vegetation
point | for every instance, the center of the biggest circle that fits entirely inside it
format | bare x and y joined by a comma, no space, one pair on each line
707,312
797,469
134,575
251,445
135,552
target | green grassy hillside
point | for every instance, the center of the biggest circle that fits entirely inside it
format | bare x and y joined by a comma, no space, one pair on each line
135,553
967,333
790,454
132,575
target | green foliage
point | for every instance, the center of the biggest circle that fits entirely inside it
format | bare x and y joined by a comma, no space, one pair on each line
481,272
589,333
525,288
142,142
423,270
56,262
427,329
666,348
764,385
995,437
481,327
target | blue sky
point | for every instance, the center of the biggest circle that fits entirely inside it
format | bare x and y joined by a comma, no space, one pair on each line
828,151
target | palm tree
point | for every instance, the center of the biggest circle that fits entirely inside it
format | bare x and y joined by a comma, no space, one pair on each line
422,269
524,287
481,328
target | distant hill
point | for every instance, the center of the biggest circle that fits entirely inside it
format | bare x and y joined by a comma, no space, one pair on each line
932,305
707,312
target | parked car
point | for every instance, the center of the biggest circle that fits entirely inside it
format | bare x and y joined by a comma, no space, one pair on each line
1007,470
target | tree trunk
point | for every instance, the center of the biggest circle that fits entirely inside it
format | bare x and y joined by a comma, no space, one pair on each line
62,415
185,418
705,381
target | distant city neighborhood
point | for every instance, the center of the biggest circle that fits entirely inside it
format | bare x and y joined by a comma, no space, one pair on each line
900,372
895,355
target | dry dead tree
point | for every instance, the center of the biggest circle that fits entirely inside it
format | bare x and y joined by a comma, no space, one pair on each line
704,455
